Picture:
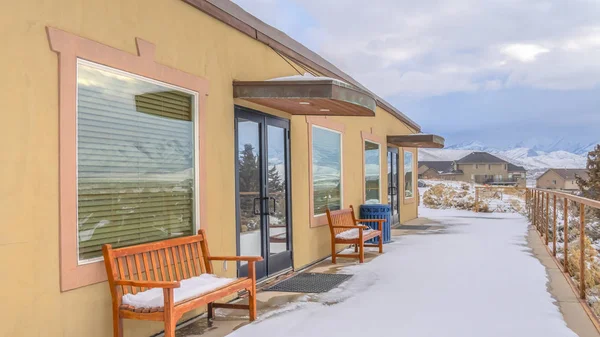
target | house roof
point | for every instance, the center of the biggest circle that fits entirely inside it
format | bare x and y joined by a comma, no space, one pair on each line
515,168
439,166
233,15
480,157
569,174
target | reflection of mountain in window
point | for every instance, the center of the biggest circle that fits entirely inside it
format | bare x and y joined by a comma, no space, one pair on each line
408,175
326,169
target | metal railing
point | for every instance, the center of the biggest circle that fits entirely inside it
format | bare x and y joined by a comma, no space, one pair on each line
545,209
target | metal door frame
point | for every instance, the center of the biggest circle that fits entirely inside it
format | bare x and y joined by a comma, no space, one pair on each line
264,121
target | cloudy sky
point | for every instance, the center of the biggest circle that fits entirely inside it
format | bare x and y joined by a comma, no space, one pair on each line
496,71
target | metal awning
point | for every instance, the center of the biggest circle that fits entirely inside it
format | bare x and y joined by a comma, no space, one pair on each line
307,96
417,140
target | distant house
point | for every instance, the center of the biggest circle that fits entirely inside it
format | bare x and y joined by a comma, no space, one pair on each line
477,167
515,171
433,169
561,179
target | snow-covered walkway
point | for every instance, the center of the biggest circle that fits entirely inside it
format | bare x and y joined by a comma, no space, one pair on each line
475,278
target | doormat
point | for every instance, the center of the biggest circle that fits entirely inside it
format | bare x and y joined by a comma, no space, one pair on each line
413,228
310,283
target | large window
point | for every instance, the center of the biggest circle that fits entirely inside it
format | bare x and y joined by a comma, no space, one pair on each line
326,169
135,160
372,173
408,175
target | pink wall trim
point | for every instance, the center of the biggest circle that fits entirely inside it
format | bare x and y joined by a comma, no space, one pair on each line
317,221
69,48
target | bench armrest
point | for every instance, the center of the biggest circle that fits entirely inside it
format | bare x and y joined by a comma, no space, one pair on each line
351,227
236,258
381,221
148,284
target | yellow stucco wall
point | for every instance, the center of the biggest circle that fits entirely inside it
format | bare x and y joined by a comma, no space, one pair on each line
482,169
185,39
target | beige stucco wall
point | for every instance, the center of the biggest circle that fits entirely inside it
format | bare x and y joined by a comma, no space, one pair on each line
571,184
185,39
547,181
482,169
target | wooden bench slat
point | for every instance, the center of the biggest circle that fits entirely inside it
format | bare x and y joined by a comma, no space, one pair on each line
201,258
167,266
161,264
182,262
176,264
187,259
130,274
195,261
138,269
205,256
121,262
147,267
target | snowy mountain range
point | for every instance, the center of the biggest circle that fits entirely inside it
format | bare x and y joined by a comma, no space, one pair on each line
535,155
546,145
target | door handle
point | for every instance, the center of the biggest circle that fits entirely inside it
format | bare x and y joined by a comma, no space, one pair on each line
392,190
254,206
274,206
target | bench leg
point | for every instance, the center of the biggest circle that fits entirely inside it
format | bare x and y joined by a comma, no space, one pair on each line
361,253
252,304
117,324
332,252
356,248
169,317
211,311
252,292
381,243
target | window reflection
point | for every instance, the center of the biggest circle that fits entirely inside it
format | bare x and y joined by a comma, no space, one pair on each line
326,169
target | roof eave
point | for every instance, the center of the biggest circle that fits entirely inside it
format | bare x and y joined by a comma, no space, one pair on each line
233,15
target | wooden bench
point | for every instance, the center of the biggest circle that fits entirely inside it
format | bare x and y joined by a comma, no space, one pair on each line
346,229
170,278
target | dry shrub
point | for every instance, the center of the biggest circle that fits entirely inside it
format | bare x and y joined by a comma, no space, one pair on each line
442,196
592,271
518,206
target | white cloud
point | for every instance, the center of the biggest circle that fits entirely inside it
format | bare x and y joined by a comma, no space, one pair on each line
426,48
523,52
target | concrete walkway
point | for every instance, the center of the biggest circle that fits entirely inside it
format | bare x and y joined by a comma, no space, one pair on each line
471,274
573,312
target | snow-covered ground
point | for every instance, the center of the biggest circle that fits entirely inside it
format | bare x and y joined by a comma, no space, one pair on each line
474,278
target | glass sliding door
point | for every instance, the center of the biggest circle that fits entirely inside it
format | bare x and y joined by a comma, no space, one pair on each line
393,183
262,184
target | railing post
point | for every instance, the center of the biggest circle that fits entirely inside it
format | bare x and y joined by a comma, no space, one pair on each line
582,249
476,200
542,231
528,196
541,214
566,232
554,229
547,217
535,210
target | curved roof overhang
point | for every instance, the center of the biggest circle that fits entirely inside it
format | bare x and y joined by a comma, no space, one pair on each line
418,140
325,97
